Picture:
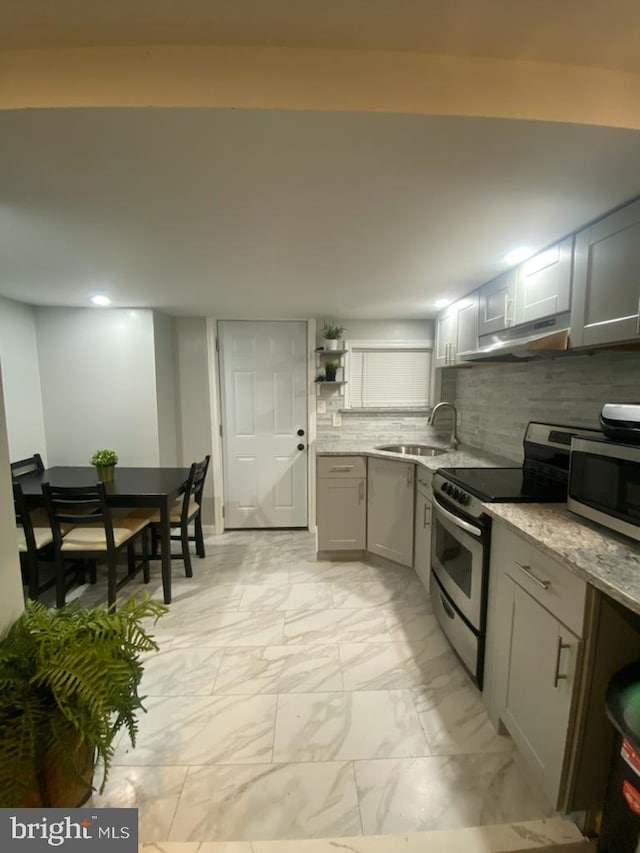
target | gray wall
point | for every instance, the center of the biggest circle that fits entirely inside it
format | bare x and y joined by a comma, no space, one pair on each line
98,384
11,597
496,402
21,376
194,403
166,391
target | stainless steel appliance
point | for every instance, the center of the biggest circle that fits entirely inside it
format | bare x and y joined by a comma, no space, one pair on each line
461,530
604,484
621,421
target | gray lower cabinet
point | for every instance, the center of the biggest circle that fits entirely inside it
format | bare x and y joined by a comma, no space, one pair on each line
341,504
535,622
390,510
606,280
422,527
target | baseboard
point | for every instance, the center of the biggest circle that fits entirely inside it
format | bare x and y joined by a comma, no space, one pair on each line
341,556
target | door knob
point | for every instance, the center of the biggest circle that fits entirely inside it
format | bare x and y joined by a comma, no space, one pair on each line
301,447
300,432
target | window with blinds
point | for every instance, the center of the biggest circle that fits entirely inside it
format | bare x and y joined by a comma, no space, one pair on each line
389,377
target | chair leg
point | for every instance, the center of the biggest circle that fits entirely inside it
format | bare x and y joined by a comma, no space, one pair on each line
199,536
146,570
186,556
111,568
60,582
131,558
155,538
32,576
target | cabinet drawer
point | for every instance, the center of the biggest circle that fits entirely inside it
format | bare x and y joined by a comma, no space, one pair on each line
341,466
558,590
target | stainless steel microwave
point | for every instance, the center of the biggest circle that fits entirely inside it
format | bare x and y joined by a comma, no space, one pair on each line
604,484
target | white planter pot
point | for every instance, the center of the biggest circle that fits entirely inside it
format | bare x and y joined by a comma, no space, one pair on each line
331,343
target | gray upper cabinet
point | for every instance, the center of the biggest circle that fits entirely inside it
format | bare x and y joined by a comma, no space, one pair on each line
467,331
457,330
543,283
496,303
606,280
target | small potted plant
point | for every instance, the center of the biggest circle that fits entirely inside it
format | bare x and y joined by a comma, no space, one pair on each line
331,366
105,461
68,684
331,334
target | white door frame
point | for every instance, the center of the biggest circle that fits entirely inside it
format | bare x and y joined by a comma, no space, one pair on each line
217,464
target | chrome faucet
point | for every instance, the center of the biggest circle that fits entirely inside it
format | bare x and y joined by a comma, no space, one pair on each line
454,441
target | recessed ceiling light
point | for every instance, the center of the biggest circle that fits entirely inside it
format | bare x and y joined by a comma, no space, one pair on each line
442,303
101,300
515,256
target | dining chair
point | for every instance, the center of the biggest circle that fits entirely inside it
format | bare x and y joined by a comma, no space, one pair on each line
83,529
35,539
185,510
27,466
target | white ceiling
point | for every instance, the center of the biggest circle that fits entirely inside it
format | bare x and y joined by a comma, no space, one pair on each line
288,214
571,32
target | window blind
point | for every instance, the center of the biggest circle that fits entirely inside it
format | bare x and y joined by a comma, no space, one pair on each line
389,378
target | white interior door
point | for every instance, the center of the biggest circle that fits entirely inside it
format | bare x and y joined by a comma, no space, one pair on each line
264,408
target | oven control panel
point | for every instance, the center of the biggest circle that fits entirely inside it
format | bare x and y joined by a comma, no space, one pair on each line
456,494
457,497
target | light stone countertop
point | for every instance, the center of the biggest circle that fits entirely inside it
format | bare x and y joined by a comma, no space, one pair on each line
465,457
609,562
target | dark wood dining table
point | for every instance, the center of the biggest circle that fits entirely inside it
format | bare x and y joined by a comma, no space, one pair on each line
154,488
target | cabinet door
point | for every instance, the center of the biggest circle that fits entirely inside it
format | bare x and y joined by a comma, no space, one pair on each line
390,510
341,514
543,285
467,325
422,539
542,663
606,280
446,335
496,303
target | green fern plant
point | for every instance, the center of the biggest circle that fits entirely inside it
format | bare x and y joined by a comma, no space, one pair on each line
69,678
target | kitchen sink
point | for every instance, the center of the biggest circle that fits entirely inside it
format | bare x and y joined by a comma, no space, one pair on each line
413,449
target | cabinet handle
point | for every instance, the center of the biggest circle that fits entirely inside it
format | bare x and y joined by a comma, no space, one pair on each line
341,468
446,353
361,491
530,574
638,319
425,523
453,353
561,647
409,475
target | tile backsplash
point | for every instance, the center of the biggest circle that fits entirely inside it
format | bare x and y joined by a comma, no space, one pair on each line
495,403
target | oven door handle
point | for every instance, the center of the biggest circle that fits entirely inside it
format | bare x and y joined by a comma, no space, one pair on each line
459,522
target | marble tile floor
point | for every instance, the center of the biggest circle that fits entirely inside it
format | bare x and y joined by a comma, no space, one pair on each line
301,699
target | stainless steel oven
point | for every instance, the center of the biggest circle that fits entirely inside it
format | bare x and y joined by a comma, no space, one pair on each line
459,552
457,560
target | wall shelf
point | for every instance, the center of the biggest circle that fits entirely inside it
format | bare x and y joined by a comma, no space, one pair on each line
332,384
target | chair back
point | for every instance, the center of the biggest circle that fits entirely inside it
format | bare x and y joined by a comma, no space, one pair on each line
23,518
195,484
77,505
30,465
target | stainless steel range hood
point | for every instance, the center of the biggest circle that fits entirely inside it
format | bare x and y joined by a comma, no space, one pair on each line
539,339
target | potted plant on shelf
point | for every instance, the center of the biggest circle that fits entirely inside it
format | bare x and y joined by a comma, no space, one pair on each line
331,366
331,333
68,684
105,461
